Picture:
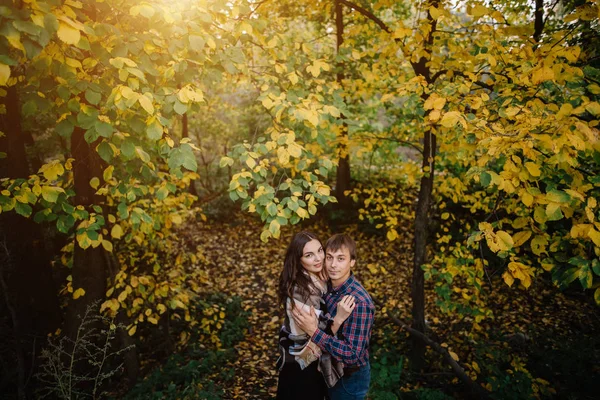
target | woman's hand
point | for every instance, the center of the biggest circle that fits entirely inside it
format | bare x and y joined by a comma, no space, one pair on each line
343,311
306,320
345,308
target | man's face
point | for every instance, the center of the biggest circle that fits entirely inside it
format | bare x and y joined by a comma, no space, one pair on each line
338,264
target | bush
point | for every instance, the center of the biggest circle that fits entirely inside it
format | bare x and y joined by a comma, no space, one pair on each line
199,370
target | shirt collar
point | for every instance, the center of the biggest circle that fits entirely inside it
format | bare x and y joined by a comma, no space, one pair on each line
343,287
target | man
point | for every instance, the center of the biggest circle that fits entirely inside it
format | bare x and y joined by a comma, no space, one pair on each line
351,346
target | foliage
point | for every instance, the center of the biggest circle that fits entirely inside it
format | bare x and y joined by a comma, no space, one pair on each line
94,345
200,369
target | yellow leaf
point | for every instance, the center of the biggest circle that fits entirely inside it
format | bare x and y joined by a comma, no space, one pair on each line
565,111
538,245
94,182
542,74
435,12
521,237
50,193
434,115
68,34
152,320
453,355
595,236
439,103
122,296
450,119
479,10
250,162
505,241
116,231
52,171
526,198
146,104
283,156
132,330
593,108
302,213
107,246
4,74
392,234
78,293
311,116
293,77
533,169
295,150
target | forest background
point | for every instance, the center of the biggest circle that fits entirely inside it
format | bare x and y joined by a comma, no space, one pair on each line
156,157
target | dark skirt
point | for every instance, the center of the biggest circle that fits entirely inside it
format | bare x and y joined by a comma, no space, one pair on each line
307,384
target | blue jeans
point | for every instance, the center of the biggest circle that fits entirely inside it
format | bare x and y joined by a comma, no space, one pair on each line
353,387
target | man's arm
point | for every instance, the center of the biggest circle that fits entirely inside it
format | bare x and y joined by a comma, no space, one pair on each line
356,331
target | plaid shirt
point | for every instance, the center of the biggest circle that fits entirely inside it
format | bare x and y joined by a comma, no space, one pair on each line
353,347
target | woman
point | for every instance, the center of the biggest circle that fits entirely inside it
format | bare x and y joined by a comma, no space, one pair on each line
302,284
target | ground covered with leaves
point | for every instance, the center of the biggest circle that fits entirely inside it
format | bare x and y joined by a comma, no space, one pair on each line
540,342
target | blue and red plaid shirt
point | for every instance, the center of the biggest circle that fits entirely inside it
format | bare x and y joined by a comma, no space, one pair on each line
353,347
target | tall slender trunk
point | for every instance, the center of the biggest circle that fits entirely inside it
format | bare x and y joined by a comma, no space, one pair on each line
422,235
28,285
184,134
420,249
89,270
343,169
538,26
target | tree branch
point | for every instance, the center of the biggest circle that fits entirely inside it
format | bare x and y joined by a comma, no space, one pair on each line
476,389
367,14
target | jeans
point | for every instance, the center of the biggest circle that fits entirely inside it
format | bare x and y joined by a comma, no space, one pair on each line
353,387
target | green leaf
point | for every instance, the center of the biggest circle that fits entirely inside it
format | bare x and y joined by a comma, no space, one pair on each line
180,108
553,212
162,193
272,209
225,161
103,128
27,27
154,130
485,179
64,223
127,148
92,97
23,209
558,196
51,193
123,211
64,128
50,22
596,266
586,277
105,151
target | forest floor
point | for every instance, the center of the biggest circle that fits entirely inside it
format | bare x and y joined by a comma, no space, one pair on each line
239,264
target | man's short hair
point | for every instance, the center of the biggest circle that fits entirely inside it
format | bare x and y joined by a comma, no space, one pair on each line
339,241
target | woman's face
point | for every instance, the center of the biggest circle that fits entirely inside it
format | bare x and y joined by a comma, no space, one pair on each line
312,257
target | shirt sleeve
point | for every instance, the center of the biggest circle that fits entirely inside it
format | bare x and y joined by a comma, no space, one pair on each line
356,331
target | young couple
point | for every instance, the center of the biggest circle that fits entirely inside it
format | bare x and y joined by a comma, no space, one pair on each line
324,342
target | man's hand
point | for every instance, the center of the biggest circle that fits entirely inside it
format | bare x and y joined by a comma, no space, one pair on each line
306,320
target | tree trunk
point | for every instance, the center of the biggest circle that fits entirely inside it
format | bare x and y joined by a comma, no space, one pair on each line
89,270
420,257
343,170
13,143
28,284
539,20
184,134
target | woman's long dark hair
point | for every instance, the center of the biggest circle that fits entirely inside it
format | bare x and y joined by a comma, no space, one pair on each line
292,274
